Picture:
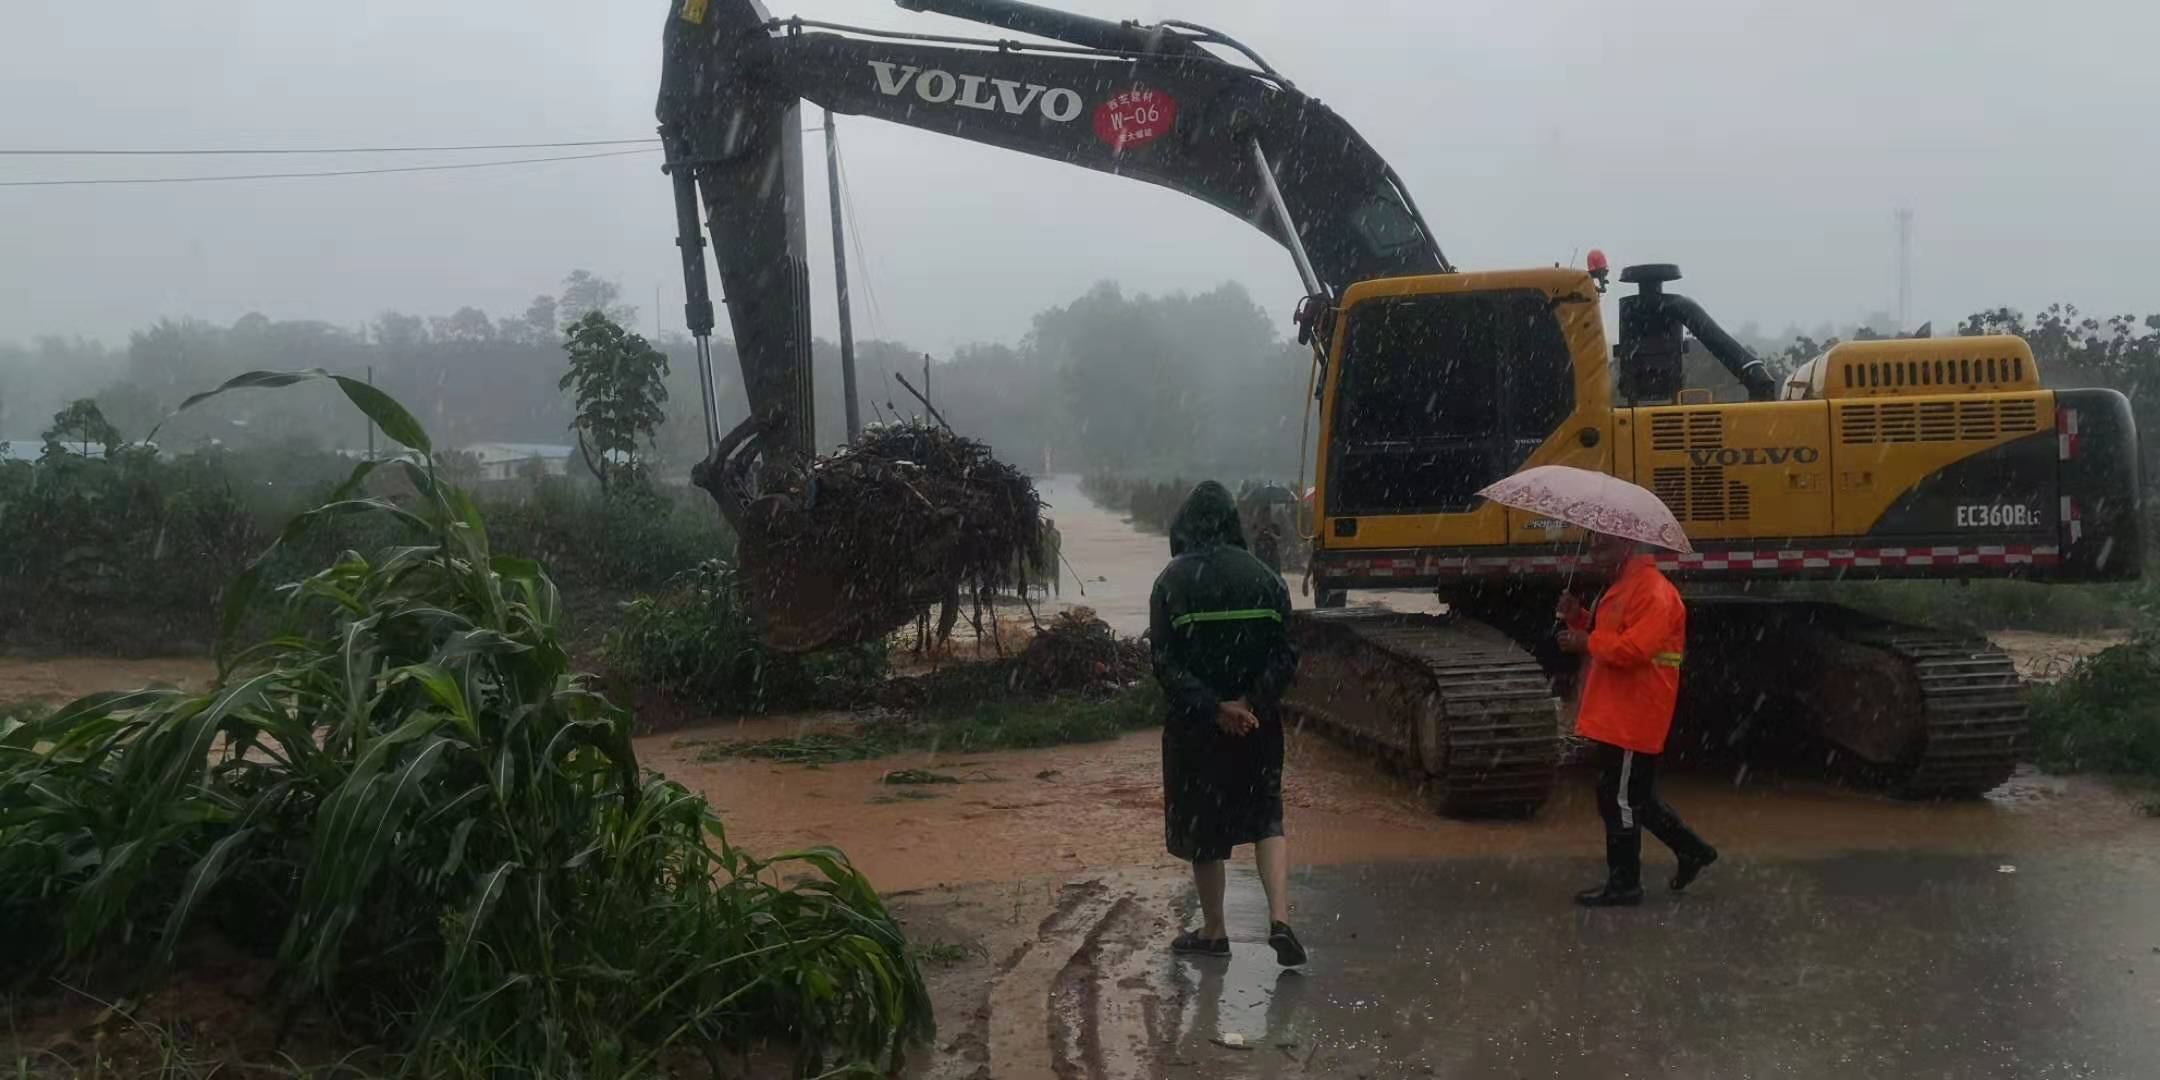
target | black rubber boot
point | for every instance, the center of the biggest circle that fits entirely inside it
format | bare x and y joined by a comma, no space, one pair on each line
1289,952
1609,896
1691,866
1623,874
1192,944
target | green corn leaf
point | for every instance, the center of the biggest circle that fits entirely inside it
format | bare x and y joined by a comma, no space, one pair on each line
445,691
203,877
388,415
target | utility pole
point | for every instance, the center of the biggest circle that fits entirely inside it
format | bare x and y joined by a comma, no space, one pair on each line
839,261
1904,268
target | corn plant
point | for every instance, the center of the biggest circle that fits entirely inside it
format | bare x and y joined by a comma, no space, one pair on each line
437,828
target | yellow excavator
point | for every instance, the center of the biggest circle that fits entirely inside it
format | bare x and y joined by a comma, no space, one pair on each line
1907,458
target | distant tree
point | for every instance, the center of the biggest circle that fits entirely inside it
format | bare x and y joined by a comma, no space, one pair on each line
620,382
539,323
1803,349
467,325
129,407
400,333
79,425
461,466
584,293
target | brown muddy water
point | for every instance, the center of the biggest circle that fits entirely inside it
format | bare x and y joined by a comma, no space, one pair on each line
1076,810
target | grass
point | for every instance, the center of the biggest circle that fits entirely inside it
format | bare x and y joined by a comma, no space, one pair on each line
1980,606
904,795
697,640
809,748
1013,724
951,953
2105,715
127,1044
917,776
1025,725
436,830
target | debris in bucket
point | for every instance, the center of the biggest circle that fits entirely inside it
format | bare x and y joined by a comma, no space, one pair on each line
867,537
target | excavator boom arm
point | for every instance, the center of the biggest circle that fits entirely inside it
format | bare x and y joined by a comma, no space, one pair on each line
1144,102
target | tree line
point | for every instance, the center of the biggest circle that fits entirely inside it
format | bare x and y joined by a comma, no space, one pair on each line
1191,384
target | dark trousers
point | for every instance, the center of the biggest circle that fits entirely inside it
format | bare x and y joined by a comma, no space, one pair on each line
1627,798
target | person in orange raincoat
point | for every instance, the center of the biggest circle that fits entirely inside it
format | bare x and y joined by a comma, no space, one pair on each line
1634,643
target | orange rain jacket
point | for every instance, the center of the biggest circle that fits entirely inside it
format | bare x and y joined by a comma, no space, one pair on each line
1636,645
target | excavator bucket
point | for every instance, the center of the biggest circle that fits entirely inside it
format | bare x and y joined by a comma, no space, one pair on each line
803,604
870,537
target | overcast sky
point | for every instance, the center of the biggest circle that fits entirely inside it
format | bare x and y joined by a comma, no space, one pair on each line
1762,146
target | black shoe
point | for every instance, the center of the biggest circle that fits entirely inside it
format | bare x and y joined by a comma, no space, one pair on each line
1609,896
1288,951
1691,868
1192,943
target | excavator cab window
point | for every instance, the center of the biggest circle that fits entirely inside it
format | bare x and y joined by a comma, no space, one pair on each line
1386,228
1442,394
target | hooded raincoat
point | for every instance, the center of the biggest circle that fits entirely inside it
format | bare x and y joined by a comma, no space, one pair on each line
1218,629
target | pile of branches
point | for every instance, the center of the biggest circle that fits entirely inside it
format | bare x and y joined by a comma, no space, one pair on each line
896,521
904,488
1078,652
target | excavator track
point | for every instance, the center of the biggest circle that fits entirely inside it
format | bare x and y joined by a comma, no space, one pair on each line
1925,714
1450,701
1973,720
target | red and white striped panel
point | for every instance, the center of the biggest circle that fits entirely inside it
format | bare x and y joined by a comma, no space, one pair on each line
1413,566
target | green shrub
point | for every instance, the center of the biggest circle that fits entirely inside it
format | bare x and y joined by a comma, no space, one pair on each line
125,553
1981,605
1020,724
86,540
2105,715
629,539
410,801
697,639
1000,723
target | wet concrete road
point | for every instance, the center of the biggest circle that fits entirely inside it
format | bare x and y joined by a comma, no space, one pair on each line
1882,964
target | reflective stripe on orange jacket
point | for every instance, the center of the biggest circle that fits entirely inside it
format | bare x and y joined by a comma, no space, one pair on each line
1636,646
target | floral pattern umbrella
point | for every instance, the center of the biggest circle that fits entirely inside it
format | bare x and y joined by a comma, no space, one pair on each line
1594,501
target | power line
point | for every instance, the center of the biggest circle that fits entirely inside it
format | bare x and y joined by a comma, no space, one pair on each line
80,182
862,257
847,197
209,151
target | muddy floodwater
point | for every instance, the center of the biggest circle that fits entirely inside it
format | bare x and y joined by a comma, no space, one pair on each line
1087,808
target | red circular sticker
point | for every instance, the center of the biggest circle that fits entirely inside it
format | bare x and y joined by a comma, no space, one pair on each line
1138,115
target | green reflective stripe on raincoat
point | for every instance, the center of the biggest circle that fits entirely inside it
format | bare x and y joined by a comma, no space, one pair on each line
1666,659
1238,615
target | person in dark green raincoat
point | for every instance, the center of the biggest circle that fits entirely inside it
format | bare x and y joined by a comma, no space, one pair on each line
1218,629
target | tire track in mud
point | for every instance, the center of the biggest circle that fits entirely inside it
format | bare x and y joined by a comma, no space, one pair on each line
1077,1002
